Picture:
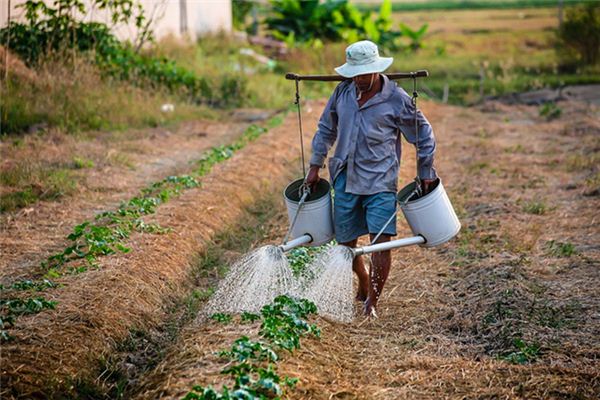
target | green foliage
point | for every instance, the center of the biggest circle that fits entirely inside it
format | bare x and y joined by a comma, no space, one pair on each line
471,4
221,317
249,317
299,257
54,31
10,308
524,353
240,10
579,33
312,21
251,362
107,233
535,207
560,249
550,111
415,36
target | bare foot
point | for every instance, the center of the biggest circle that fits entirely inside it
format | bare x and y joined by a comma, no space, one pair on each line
369,309
360,296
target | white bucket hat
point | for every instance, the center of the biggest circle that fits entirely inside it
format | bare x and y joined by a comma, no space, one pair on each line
363,58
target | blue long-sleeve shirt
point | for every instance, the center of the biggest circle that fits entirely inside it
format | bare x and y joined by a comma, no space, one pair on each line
368,139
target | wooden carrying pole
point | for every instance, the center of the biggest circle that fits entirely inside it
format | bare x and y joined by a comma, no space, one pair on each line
332,78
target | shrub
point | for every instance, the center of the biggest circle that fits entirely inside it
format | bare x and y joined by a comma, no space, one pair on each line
579,35
312,21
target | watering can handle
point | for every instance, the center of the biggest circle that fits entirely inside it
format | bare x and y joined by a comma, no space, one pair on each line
304,196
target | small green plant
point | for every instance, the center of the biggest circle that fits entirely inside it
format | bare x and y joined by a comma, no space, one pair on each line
221,317
535,207
249,317
524,353
10,308
415,36
561,249
82,163
550,111
300,257
252,362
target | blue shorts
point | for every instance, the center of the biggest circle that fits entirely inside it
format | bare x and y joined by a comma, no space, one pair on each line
356,215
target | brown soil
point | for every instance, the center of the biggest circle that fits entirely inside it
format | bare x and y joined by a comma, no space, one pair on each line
451,318
123,164
55,350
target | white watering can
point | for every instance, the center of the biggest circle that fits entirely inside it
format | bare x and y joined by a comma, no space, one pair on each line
309,214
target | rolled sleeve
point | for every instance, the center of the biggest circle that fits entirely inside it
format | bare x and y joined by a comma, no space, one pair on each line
426,145
326,134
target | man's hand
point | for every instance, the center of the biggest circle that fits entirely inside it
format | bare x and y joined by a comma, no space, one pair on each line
426,185
312,178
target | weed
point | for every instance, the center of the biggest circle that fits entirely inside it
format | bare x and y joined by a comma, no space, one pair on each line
31,182
515,149
477,167
524,353
583,162
249,317
560,249
535,207
550,111
82,163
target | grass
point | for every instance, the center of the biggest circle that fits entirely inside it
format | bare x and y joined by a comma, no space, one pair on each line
75,98
467,4
560,249
535,207
28,182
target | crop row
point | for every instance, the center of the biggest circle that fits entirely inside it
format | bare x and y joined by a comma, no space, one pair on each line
108,232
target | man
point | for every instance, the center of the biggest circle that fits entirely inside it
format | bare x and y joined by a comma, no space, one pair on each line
365,115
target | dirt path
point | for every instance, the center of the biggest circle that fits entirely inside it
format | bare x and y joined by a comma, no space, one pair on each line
509,309
123,165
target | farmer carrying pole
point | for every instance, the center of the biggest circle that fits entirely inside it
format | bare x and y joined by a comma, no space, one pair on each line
365,115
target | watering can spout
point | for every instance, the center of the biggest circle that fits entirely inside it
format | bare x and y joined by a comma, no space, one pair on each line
394,244
299,241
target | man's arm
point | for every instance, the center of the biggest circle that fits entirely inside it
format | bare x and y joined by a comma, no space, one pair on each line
324,138
426,142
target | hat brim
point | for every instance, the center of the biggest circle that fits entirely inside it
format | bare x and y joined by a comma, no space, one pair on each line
350,71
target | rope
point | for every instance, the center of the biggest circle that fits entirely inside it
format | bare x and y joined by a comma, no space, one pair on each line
418,182
300,127
414,102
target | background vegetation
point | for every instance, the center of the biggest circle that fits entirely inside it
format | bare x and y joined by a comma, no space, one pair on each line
77,76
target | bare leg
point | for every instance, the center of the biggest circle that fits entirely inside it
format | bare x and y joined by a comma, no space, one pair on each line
380,269
359,269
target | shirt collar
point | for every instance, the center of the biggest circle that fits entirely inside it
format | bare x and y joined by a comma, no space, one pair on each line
386,91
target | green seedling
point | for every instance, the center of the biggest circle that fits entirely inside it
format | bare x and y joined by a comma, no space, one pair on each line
550,111
524,354
535,207
221,317
561,249
252,363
